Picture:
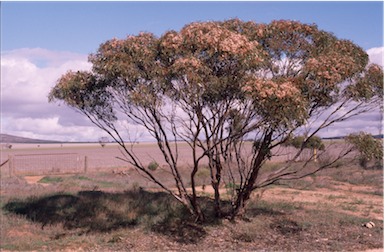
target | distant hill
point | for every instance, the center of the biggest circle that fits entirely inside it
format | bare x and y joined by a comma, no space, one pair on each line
5,138
381,136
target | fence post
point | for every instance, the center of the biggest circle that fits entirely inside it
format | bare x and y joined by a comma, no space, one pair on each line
10,165
85,164
315,155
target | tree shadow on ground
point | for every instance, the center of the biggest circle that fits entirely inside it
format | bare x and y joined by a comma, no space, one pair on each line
98,211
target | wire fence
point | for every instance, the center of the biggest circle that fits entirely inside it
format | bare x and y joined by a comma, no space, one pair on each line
61,161
28,164
45,164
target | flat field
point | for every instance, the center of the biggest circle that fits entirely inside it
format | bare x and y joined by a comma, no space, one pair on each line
44,159
42,156
113,208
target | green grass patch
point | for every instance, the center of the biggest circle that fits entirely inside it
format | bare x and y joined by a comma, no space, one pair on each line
377,211
106,184
335,197
50,180
378,192
79,177
267,207
356,201
349,207
300,184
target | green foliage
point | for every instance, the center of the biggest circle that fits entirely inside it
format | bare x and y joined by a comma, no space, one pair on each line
313,142
370,149
231,80
153,166
209,63
369,85
232,185
296,142
203,172
203,175
49,180
79,177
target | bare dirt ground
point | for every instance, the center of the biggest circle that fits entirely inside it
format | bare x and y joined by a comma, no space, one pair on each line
33,180
315,214
103,210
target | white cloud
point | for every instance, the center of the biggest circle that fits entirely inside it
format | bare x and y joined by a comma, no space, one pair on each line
27,75
50,129
370,122
376,55
24,81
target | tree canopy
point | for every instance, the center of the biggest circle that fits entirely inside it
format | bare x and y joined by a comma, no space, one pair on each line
369,148
214,84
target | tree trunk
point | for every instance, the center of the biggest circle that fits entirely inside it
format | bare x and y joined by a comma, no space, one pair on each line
216,184
197,211
244,193
217,200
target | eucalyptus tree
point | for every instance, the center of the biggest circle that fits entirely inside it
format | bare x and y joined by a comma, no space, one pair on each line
213,85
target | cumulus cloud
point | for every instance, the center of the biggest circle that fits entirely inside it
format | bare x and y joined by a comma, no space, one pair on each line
27,75
370,122
49,128
376,55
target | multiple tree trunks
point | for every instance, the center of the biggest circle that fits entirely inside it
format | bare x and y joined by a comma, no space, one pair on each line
213,85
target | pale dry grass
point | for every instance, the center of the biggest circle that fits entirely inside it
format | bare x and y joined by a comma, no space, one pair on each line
107,211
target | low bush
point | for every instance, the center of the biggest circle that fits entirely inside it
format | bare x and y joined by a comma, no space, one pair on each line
153,166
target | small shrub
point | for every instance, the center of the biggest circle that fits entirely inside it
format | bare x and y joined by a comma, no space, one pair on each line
203,171
363,161
103,141
313,142
231,185
203,175
153,166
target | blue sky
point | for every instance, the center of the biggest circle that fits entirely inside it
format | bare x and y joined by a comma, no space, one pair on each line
42,40
82,26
